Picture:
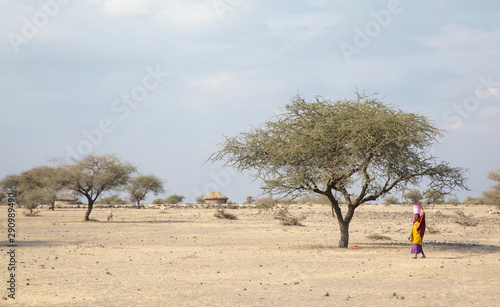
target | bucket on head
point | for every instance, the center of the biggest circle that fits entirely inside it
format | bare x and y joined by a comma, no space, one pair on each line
416,209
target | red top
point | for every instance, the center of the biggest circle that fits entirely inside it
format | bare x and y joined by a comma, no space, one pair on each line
421,227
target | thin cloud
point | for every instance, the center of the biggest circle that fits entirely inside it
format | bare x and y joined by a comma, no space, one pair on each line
123,7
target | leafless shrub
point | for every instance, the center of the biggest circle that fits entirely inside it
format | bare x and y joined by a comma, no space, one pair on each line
31,212
465,220
280,210
287,219
233,206
266,204
432,230
221,214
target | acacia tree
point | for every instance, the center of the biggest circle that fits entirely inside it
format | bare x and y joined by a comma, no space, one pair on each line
34,187
434,197
26,196
140,186
92,175
360,148
43,181
174,199
391,200
11,184
413,196
493,194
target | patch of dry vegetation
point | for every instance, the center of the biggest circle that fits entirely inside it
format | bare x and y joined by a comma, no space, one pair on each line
32,212
432,230
377,236
280,210
287,219
465,220
221,214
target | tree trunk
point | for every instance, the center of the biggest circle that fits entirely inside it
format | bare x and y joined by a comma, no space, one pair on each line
344,235
89,209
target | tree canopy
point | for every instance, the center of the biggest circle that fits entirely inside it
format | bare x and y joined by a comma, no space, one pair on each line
360,148
92,175
34,187
413,196
492,196
42,181
434,197
174,199
140,186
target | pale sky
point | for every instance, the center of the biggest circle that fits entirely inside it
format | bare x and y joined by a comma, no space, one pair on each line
160,82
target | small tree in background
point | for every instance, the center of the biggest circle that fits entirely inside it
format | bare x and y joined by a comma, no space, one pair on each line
45,180
174,199
93,175
391,200
11,184
249,200
492,196
453,201
33,188
199,199
110,200
434,197
159,201
142,185
413,196
473,201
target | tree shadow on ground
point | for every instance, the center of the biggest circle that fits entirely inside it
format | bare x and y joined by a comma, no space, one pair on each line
440,246
435,245
42,243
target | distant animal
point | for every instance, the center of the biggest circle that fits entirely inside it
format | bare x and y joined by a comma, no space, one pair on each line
110,215
163,208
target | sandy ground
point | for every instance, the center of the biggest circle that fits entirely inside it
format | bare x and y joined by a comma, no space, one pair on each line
186,257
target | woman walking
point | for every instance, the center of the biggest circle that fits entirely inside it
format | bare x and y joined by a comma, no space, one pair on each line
417,234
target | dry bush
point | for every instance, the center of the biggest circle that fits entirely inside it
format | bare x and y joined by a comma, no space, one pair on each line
376,236
279,209
465,220
287,219
432,230
221,214
233,206
266,204
438,214
313,199
31,212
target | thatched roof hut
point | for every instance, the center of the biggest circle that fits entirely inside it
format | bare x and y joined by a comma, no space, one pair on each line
215,198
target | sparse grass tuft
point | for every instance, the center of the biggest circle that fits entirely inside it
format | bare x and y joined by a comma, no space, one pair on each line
221,214
32,212
287,219
376,236
432,230
465,220
233,206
